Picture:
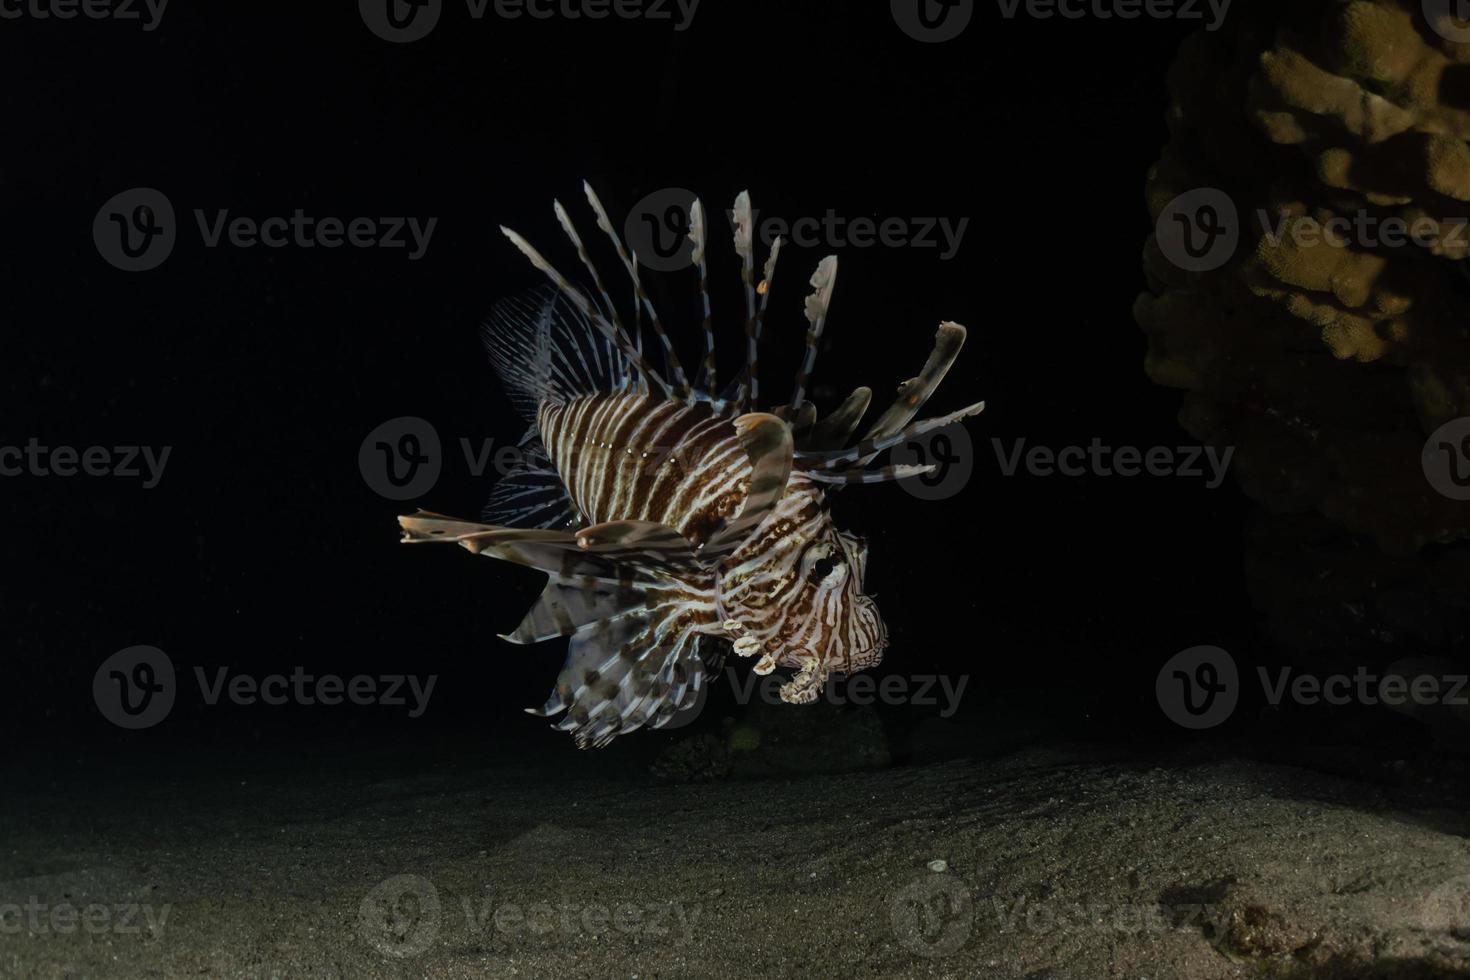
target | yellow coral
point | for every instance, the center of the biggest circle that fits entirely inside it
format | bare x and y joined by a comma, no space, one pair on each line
1325,349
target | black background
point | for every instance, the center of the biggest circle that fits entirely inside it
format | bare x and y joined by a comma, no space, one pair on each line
264,369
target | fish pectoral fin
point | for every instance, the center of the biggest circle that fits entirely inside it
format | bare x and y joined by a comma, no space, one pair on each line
426,526
648,536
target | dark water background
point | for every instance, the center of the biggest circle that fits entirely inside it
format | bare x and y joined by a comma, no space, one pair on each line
263,549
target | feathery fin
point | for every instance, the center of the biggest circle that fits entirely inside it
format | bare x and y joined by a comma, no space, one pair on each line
543,349
532,494
584,306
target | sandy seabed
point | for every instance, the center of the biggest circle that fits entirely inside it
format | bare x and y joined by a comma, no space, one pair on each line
1049,862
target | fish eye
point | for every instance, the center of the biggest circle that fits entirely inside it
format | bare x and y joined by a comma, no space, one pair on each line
823,568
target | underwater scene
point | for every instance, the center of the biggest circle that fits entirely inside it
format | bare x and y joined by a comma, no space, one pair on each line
971,489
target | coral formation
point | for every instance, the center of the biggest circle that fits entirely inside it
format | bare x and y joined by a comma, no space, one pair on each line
1336,336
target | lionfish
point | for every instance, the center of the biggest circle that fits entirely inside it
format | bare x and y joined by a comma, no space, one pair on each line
674,522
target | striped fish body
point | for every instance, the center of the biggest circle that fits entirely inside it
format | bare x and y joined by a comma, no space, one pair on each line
675,522
633,457
629,457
